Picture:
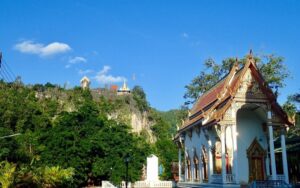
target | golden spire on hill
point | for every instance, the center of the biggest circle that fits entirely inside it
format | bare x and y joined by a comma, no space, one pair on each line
124,89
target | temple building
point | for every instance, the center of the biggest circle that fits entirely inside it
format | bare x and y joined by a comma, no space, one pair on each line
228,138
85,83
124,90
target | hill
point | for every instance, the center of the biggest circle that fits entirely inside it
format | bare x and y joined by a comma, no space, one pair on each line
83,132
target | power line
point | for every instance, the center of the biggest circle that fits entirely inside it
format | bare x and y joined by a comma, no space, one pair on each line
8,68
5,71
8,76
11,76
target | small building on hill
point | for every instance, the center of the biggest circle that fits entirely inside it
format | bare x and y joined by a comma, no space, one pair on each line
227,139
124,90
85,83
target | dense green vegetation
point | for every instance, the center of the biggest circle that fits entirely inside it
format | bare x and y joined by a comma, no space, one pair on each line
66,138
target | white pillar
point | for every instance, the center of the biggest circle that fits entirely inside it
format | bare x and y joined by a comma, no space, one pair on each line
234,150
179,164
185,167
192,170
268,164
200,168
284,158
272,153
210,162
223,150
234,142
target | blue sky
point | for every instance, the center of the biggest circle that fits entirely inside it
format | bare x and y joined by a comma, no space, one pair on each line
159,45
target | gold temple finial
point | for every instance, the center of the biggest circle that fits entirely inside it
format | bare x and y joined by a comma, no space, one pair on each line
250,57
236,64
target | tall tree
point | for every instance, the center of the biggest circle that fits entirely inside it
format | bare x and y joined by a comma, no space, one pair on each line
271,66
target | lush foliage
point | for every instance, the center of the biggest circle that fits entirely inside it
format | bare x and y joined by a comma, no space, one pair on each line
7,171
164,147
292,108
272,68
66,138
140,97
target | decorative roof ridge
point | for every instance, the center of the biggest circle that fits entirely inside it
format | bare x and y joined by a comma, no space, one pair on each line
234,70
230,92
211,89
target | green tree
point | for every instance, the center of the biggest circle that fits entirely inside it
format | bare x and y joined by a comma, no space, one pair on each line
164,147
140,97
272,68
7,174
292,108
52,176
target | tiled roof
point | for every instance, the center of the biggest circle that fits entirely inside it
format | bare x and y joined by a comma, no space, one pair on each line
208,97
213,104
207,104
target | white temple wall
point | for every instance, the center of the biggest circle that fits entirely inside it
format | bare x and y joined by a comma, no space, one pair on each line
196,141
194,144
228,137
249,126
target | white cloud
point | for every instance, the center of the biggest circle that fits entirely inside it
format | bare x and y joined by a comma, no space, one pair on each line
185,35
104,70
30,47
83,72
104,78
77,59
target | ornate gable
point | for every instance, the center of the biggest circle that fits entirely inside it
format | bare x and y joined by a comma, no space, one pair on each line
240,85
255,149
249,88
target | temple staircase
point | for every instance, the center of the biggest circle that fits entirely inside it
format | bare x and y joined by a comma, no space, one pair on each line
269,184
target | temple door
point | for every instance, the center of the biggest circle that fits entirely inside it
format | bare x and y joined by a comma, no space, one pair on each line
256,155
257,168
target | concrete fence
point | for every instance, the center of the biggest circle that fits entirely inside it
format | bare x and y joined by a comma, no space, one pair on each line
150,184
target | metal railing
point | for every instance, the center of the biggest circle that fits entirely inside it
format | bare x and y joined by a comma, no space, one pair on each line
281,177
230,178
216,178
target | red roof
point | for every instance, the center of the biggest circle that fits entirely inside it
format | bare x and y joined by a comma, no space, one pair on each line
114,88
223,90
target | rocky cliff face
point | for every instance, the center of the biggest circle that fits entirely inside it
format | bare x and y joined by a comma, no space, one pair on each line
125,108
139,121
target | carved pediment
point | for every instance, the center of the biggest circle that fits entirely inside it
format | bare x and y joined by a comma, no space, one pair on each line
249,88
255,149
228,115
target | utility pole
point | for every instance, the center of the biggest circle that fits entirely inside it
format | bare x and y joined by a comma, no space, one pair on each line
0,59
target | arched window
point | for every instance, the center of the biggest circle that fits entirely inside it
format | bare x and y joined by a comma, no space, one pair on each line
217,158
204,160
188,167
